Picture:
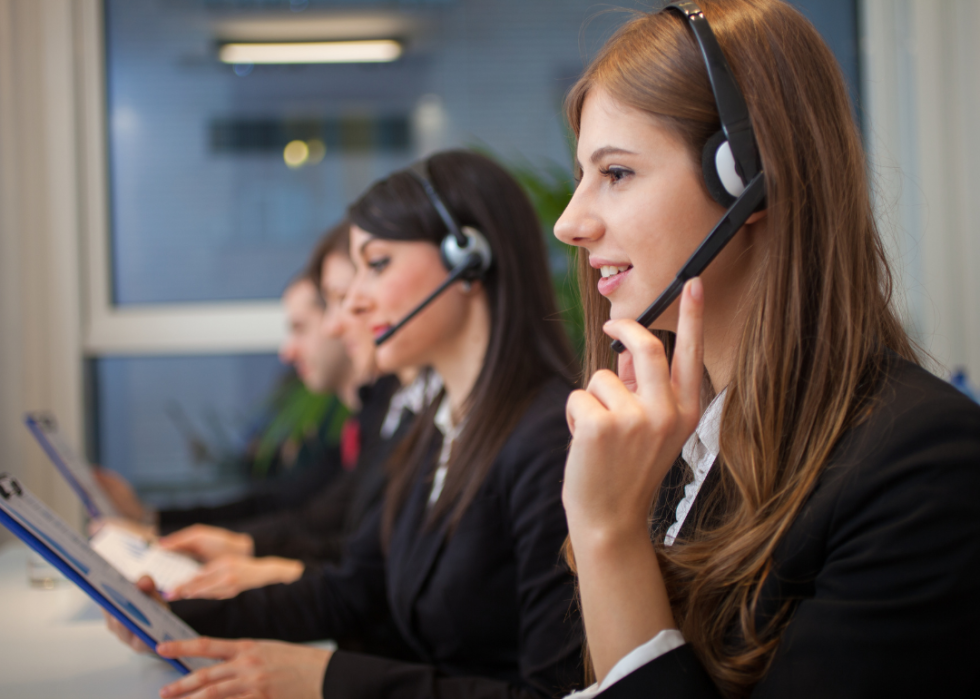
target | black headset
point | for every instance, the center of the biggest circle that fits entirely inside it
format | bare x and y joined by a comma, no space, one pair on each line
730,163
463,245
464,250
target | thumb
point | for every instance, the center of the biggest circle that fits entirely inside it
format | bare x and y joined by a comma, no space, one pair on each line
627,371
149,588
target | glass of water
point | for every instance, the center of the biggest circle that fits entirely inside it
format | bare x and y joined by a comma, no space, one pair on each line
41,574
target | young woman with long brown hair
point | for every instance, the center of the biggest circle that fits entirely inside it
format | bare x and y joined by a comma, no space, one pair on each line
820,534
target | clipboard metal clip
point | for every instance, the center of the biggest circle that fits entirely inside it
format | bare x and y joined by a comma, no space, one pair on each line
9,487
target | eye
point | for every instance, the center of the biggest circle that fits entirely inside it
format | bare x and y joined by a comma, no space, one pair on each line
378,264
615,173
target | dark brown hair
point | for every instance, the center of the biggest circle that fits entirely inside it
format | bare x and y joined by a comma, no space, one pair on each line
335,240
819,314
527,342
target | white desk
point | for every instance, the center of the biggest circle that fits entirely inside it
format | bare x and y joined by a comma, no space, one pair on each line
54,643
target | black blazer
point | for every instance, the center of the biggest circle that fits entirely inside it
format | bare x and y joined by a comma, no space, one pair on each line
882,562
316,531
486,612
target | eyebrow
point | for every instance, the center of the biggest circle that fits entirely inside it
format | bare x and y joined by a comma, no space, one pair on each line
600,153
365,244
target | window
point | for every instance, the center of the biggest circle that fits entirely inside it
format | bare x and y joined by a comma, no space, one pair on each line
221,176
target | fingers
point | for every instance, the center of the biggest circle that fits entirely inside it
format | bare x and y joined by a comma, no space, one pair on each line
95,525
609,390
648,359
626,371
220,681
211,583
149,588
124,634
583,408
185,540
203,647
687,367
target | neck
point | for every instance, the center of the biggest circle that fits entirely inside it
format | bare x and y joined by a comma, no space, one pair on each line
726,306
407,376
348,395
719,357
460,362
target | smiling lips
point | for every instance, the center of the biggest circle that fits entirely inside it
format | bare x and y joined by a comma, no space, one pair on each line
612,277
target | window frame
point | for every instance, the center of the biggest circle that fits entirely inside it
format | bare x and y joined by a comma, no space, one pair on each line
142,329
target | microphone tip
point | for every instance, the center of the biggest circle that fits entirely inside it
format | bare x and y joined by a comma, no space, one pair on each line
618,347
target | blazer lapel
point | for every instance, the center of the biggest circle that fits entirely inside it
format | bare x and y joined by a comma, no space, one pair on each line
412,555
701,511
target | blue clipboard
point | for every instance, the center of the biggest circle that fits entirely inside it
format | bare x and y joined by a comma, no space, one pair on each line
40,424
121,608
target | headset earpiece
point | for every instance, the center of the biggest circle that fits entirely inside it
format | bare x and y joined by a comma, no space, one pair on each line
460,241
464,251
720,174
476,244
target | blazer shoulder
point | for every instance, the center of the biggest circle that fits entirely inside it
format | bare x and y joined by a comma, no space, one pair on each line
917,436
912,412
541,434
543,420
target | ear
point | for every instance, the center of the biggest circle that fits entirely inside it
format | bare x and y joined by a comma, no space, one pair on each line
756,217
469,287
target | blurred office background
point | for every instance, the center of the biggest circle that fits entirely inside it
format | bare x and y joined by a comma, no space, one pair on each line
155,199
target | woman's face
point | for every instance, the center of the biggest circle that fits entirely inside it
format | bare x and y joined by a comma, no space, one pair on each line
336,276
640,209
391,278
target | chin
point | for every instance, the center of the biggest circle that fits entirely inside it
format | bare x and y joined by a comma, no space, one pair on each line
389,357
618,311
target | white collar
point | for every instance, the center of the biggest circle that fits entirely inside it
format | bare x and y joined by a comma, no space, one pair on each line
700,452
708,430
413,398
443,421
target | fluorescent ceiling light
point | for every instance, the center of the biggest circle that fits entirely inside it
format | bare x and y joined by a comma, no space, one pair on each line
373,51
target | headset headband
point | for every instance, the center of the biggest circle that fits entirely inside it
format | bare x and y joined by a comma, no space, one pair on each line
732,111
420,170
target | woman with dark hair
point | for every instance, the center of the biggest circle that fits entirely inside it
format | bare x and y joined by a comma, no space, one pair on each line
464,558
280,546
819,535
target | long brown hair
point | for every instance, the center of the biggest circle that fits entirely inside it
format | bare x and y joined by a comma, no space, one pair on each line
819,314
527,344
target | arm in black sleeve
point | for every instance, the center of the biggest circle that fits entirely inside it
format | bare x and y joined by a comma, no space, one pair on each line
225,515
334,603
358,676
313,531
282,496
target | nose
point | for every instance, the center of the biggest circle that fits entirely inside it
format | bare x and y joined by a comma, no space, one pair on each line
357,301
332,323
578,225
287,350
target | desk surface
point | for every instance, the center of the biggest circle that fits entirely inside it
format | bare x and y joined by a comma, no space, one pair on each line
54,643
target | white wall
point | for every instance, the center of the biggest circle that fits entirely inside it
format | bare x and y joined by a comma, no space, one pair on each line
921,70
40,351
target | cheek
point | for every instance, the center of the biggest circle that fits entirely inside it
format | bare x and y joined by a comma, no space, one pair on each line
397,294
420,340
